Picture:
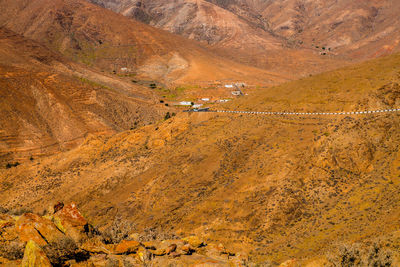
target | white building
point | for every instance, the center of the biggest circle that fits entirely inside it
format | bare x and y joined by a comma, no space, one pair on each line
185,103
236,93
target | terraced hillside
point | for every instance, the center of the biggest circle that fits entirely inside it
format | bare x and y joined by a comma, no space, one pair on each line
279,187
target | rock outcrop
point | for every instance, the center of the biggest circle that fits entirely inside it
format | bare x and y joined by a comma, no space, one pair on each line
66,238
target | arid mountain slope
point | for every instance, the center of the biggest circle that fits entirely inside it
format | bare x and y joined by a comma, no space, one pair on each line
354,30
281,187
100,38
357,29
50,104
241,36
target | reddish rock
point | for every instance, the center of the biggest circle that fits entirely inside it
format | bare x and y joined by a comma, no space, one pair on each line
187,249
150,245
95,246
159,252
34,227
175,254
70,215
127,247
70,221
194,241
171,248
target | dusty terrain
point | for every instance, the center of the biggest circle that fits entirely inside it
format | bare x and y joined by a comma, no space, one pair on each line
278,187
100,38
49,104
83,119
289,36
230,29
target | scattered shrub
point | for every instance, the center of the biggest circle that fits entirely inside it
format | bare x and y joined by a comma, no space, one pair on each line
19,211
10,165
12,250
119,230
3,210
63,250
167,116
356,255
151,233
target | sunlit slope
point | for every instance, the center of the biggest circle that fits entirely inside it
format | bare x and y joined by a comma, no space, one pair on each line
367,86
280,187
49,104
101,38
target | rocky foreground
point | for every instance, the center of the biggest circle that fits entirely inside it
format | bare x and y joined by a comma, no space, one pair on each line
63,237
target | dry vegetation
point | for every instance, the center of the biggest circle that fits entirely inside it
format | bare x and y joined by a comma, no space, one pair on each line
281,187
320,189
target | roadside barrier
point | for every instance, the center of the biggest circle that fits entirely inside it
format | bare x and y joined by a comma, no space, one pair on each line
303,113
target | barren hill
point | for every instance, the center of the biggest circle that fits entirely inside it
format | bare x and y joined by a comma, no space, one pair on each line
302,30
281,187
98,37
50,104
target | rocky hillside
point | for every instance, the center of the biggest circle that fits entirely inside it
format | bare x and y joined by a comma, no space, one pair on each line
339,29
276,187
112,43
229,28
63,237
49,104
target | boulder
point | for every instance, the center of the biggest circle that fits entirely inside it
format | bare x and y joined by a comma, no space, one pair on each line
143,255
34,256
150,245
171,248
175,254
95,246
194,241
70,221
34,227
127,247
187,249
159,252
70,215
